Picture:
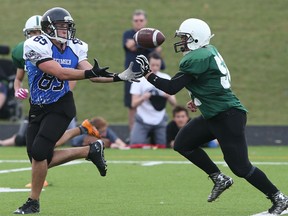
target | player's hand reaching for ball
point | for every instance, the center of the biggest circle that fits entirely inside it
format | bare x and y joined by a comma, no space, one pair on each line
129,75
96,71
144,64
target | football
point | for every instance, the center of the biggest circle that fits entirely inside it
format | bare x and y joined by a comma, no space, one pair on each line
149,37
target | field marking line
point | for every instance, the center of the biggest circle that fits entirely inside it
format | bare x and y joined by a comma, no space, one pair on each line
15,170
142,163
147,161
9,190
265,213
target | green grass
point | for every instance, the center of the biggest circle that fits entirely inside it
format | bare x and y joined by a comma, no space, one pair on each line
251,36
132,189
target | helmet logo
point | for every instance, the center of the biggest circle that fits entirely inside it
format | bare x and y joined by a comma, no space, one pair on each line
68,18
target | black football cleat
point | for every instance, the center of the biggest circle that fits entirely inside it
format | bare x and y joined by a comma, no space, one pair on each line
221,183
96,155
280,203
30,207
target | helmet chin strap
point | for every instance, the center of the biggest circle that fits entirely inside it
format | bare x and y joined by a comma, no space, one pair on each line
60,40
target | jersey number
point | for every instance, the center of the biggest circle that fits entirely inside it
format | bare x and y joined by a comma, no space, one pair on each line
46,81
225,80
40,39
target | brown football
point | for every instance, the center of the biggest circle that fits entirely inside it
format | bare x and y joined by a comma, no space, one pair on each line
149,37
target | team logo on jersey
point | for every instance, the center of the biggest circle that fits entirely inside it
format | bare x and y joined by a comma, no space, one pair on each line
63,61
32,55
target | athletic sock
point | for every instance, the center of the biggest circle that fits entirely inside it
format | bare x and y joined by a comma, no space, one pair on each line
201,160
260,181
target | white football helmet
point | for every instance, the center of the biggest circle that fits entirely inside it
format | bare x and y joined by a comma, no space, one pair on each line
32,24
194,34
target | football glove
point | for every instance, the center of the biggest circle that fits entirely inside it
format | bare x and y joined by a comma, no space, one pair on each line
96,71
21,93
144,64
128,75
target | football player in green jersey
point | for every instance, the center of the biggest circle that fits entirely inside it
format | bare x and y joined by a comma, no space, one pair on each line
32,28
203,72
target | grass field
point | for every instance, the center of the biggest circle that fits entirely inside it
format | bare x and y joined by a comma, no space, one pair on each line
251,36
140,182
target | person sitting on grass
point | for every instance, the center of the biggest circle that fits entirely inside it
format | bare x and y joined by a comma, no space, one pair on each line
108,136
180,119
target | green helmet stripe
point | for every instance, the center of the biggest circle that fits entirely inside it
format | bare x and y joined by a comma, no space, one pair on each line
37,20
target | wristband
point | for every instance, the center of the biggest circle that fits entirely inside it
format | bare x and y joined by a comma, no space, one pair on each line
116,78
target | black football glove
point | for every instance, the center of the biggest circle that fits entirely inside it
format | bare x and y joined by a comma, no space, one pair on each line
144,64
96,71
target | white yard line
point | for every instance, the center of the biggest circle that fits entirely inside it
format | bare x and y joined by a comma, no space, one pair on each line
15,170
142,163
265,213
9,190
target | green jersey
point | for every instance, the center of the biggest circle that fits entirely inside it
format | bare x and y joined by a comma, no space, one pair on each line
211,87
17,56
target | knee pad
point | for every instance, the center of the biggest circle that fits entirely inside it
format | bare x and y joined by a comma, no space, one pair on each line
39,154
43,150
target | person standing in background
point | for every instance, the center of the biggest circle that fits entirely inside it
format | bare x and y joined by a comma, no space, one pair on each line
131,49
150,104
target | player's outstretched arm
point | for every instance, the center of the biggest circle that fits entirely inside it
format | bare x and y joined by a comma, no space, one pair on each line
178,82
126,75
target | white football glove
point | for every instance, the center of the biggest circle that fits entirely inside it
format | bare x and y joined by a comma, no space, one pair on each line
144,64
129,75
21,93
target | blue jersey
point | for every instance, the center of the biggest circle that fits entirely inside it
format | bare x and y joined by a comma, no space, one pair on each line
45,88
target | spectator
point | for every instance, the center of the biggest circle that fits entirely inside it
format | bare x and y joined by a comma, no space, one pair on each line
180,119
4,113
139,21
150,103
19,139
5,106
108,136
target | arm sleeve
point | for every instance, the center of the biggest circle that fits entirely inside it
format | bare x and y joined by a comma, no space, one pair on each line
83,52
35,51
80,48
172,86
